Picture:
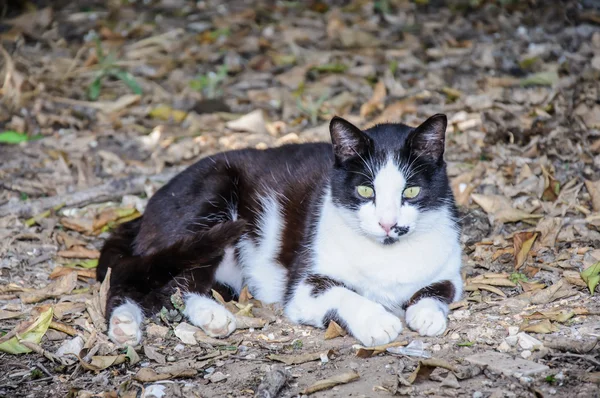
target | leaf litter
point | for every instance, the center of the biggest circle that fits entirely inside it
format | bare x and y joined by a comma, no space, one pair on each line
99,108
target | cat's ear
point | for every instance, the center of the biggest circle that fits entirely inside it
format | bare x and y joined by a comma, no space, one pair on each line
429,138
347,139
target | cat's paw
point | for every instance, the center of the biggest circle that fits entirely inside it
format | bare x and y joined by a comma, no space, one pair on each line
377,326
124,327
210,316
427,317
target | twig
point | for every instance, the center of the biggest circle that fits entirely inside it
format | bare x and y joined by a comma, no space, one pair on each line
588,358
43,369
102,193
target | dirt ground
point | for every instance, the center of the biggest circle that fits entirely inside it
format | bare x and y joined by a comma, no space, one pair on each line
102,102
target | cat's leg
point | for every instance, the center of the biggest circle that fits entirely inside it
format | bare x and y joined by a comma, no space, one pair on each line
209,315
427,310
318,299
125,323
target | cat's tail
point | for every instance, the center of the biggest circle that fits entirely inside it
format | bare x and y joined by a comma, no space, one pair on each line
202,249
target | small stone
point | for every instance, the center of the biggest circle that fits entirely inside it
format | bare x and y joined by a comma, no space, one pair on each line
186,332
525,380
154,330
461,314
505,364
527,342
154,391
450,381
73,346
513,330
179,347
210,370
217,377
454,336
526,354
171,358
504,347
436,347
512,340
477,394
324,358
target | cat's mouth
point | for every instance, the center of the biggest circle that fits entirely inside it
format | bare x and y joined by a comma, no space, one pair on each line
388,240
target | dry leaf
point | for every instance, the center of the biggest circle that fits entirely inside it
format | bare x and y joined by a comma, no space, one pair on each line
332,382
147,375
549,229
522,241
245,296
26,331
153,354
100,362
574,278
334,330
4,314
543,327
473,287
501,209
368,352
83,225
247,322
63,285
593,188
82,274
552,293
68,241
557,315
300,358
376,102
79,252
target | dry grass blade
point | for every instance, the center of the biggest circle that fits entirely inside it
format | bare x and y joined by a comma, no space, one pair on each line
342,378
300,358
147,375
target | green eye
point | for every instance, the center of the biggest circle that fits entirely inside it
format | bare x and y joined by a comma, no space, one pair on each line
365,192
411,192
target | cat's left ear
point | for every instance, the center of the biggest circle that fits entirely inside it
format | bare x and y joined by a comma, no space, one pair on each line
429,138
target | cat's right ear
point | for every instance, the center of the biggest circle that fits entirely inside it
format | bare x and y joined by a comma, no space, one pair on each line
347,139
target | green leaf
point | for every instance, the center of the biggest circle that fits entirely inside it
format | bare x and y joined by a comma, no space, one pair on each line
591,276
540,79
12,137
132,355
27,331
87,264
95,87
466,344
129,80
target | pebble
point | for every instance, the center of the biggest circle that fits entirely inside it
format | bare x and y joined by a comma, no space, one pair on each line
217,377
513,330
527,342
506,364
512,340
504,347
455,336
477,394
324,358
154,330
171,358
526,354
154,391
179,348
461,314
436,347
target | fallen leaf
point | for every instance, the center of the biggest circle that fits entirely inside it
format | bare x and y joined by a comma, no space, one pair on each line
100,362
376,101
185,332
153,354
334,330
81,273
245,296
557,315
69,241
83,225
147,375
132,355
247,322
551,293
62,285
501,208
549,229
593,188
29,331
253,122
79,252
111,215
543,327
574,278
368,352
300,358
165,112
523,241
540,79
342,378
591,276
473,287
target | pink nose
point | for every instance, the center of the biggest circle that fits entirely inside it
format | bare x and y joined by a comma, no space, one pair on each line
387,226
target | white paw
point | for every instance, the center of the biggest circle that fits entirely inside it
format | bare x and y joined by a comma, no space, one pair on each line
374,326
125,324
210,316
427,317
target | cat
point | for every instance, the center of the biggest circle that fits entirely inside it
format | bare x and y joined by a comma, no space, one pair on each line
361,231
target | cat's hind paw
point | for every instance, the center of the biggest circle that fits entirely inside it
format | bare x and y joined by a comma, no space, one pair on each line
210,316
125,324
378,327
427,317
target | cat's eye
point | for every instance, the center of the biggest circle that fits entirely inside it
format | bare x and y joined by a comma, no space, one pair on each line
411,192
365,192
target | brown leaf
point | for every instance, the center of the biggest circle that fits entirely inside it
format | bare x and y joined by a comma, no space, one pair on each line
552,293
4,314
593,188
100,362
147,375
300,358
556,315
153,354
376,102
68,241
244,296
247,322
543,327
82,274
473,287
522,242
549,228
574,278
83,225
342,378
501,209
103,292
56,288
79,252
334,330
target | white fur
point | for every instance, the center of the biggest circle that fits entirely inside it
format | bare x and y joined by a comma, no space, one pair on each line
427,317
228,272
124,327
210,316
368,321
389,184
387,274
265,277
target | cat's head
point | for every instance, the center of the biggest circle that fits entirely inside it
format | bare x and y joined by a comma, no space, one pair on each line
388,178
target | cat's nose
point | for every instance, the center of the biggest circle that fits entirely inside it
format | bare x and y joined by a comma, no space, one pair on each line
387,226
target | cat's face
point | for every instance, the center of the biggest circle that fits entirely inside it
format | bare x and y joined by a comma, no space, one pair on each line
387,178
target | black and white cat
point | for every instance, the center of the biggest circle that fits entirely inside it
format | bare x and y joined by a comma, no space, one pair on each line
361,232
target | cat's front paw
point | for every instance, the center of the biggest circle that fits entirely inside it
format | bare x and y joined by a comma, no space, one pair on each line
377,327
427,317
124,326
210,316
